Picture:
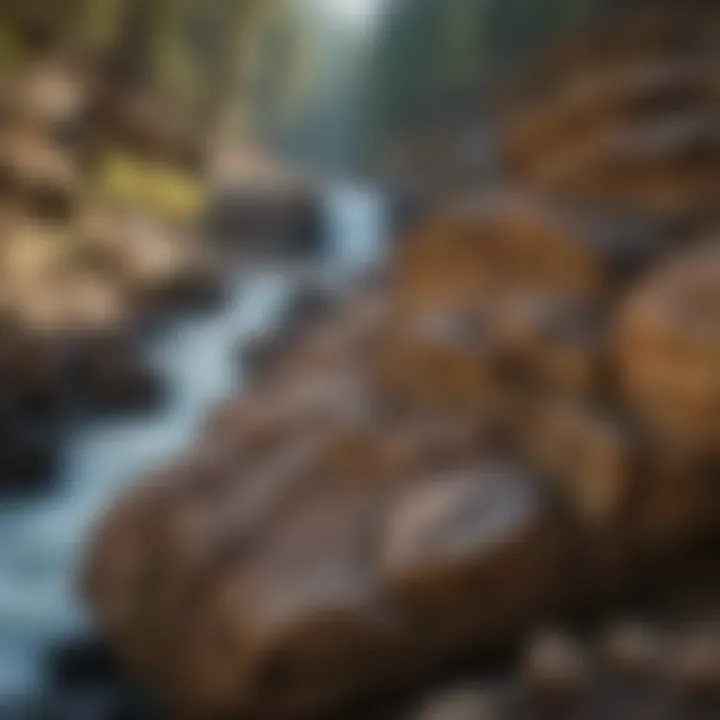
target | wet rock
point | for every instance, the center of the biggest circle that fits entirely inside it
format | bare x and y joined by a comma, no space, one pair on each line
624,121
136,118
352,524
49,92
302,623
635,651
588,453
43,174
557,668
408,206
450,538
87,680
553,342
679,506
32,376
696,662
312,635
465,703
512,241
97,704
83,662
339,340
29,454
260,355
109,375
263,355
442,360
311,304
161,267
669,353
67,706
273,221
196,288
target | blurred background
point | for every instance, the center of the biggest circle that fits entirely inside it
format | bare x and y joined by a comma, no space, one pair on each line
188,186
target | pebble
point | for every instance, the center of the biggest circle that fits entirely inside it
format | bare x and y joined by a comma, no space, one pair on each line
696,663
467,703
634,650
556,667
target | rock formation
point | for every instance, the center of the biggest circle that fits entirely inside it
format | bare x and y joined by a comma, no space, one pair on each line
519,425
84,266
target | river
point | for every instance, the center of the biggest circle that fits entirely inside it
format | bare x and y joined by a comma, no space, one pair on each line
43,539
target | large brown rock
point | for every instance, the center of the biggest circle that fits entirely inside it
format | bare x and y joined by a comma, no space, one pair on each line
669,351
623,115
509,242
295,569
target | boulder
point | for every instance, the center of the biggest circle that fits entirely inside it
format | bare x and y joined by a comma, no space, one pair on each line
668,351
450,540
274,221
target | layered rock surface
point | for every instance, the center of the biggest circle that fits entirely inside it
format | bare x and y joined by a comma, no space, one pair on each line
83,267
522,422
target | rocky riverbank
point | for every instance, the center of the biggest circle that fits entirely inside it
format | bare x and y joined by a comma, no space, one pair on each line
510,433
86,266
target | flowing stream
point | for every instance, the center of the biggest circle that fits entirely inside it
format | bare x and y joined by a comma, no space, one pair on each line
43,540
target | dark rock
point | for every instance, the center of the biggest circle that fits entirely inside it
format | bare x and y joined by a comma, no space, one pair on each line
269,222
96,704
29,454
108,375
83,663
312,304
125,387
260,355
32,375
200,289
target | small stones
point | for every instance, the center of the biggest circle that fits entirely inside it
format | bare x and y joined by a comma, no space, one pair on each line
465,703
557,668
696,663
635,651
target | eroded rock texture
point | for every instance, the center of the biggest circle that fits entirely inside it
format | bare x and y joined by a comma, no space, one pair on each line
94,243
523,421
